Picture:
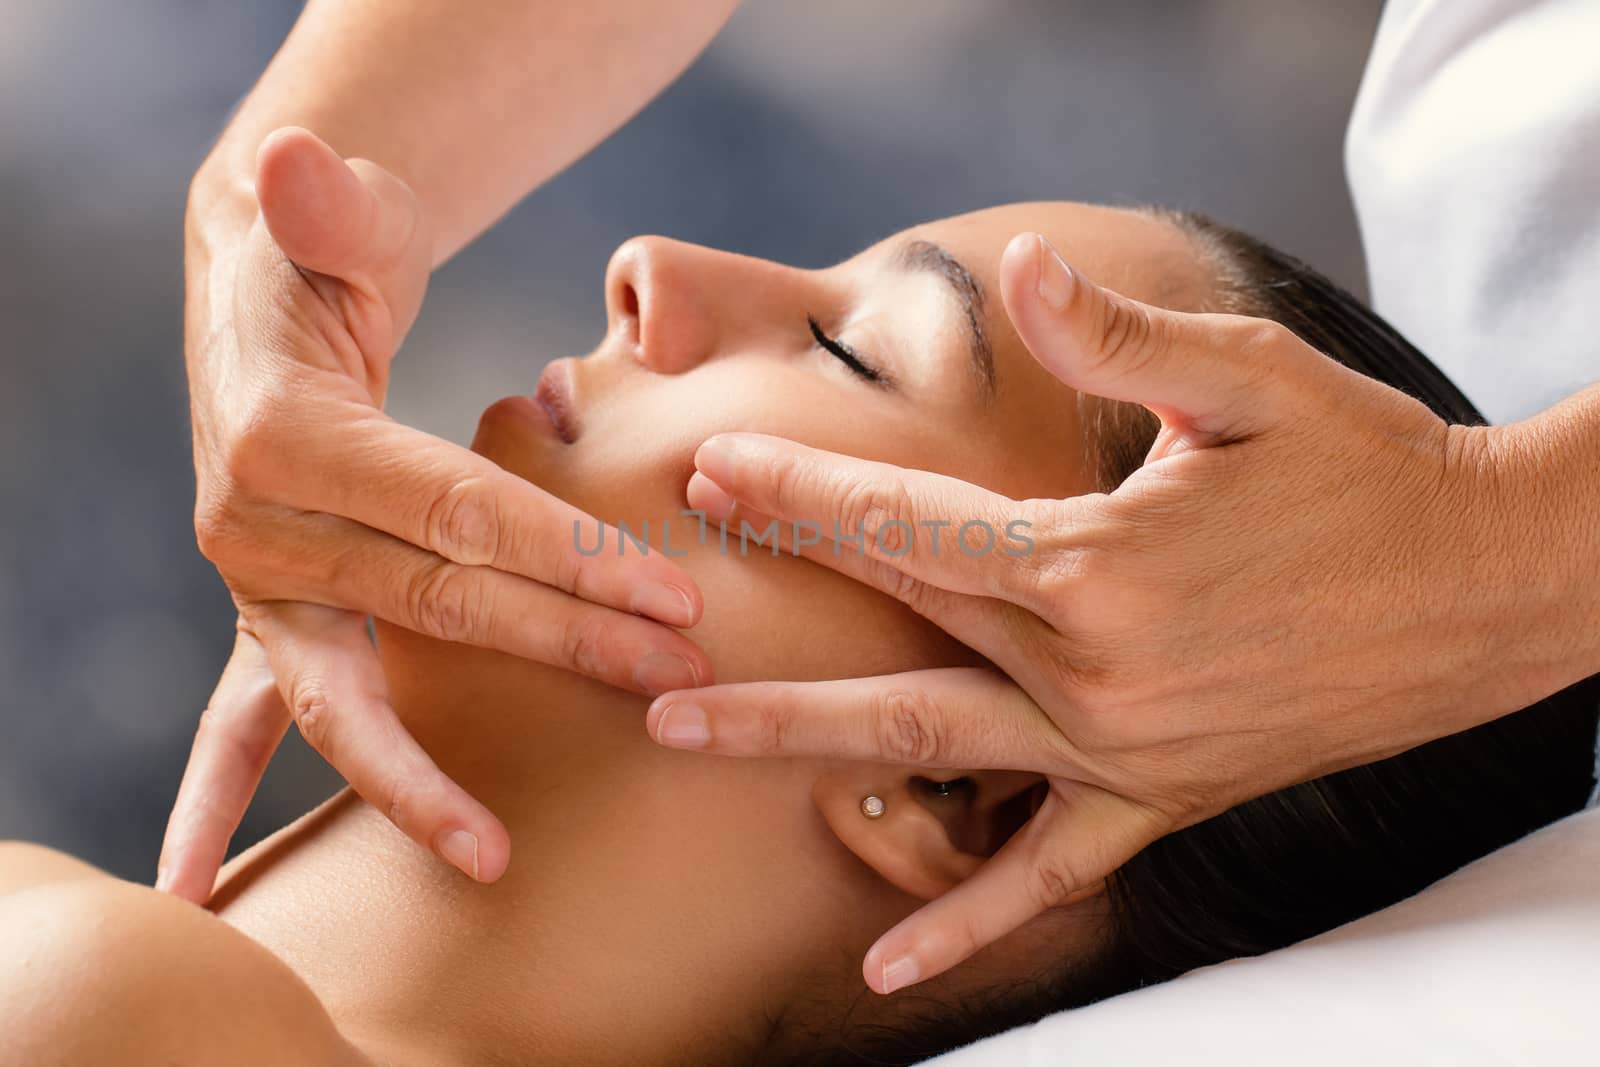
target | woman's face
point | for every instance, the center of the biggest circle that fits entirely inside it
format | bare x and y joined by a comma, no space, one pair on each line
701,342
917,365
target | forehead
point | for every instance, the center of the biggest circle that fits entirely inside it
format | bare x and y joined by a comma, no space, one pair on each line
1035,420
1133,252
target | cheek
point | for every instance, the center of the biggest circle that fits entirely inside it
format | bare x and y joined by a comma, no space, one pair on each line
766,617
788,619
639,441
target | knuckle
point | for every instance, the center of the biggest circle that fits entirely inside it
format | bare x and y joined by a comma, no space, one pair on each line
252,445
462,523
1057,574
393,800
1124,333
312,708
237,474
444,600
809,490
212,720
218,727
217,529
1262,338
213,727
907,726
572,572
584,644
880,510
772,729
793,485
1260,348
1049,883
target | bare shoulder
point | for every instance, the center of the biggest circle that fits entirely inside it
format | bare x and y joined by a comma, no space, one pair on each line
97,970
23,865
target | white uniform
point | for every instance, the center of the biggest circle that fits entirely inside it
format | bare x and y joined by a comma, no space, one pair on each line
1474,161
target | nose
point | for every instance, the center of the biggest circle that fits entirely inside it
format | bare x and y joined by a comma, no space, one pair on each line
674,305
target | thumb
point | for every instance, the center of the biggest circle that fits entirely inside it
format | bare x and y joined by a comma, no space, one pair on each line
1207,377
353,220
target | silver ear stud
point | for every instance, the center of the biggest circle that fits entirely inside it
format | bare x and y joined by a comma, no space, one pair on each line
872,807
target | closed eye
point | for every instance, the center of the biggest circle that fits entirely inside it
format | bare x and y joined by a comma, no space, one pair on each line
845,354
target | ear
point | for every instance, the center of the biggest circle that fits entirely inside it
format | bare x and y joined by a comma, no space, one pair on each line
937,827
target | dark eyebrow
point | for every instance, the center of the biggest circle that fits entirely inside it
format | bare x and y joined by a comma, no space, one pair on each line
927,256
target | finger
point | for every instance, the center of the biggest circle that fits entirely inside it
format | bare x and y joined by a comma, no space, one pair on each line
1215,376
939,530
958,614
359,238
1076,839
1008,636
463,507
333,684
241,727
340,564
946,717
324,214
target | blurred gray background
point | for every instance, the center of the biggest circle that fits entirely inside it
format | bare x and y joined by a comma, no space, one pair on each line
806,132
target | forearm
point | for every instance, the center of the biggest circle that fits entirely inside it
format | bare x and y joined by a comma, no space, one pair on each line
472,105
1547,470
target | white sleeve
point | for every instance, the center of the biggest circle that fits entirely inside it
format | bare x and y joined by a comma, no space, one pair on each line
1474,161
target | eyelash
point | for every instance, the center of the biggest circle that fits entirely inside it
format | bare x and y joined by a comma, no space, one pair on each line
843,352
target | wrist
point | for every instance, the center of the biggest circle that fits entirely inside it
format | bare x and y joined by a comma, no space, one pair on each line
1536,541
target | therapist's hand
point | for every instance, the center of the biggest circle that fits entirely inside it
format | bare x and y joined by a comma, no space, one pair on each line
1308,573
319,511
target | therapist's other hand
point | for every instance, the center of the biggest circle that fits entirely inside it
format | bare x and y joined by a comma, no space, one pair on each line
319,510
1295,582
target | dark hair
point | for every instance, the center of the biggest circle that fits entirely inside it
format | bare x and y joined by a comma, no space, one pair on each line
1305,859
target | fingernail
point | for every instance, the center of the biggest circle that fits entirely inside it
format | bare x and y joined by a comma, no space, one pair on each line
709,497
1055,278
662,672
161,879
664,603
899,973
683,726
460,850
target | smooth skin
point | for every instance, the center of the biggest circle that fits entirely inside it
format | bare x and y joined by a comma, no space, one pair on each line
1205,634
104,971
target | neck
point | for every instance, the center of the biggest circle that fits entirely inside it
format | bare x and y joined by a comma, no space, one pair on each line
656,900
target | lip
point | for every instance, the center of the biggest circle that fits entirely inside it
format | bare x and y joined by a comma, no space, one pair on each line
554,398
